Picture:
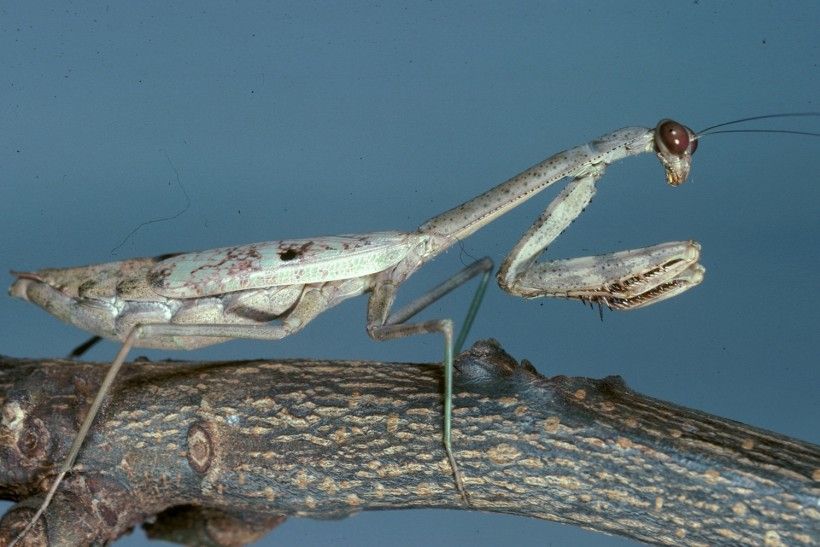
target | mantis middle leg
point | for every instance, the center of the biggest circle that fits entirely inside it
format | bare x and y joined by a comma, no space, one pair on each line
381,325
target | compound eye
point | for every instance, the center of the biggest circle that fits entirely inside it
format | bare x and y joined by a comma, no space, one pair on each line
675,137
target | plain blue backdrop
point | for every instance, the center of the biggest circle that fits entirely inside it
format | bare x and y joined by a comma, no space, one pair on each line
302,119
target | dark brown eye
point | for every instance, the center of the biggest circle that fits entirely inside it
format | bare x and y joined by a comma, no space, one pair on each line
674,137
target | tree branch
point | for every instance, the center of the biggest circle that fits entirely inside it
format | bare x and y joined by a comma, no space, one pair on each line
224,451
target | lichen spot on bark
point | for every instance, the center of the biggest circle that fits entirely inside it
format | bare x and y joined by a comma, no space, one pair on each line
658,503
504,454
13,415
329,486
624,443
772,539
341,435
711,476
200,448
302,480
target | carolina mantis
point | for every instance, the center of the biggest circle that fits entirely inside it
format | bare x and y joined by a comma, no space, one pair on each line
273,289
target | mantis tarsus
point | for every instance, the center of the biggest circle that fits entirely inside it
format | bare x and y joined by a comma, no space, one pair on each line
273,289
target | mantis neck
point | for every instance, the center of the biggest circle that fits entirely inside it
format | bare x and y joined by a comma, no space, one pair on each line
465,219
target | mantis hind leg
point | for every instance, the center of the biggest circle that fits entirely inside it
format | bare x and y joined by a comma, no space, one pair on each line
382,326
83,432
307,309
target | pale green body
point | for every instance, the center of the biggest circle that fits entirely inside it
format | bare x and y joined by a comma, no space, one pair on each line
271,290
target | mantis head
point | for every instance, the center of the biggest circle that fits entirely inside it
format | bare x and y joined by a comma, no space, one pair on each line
674,145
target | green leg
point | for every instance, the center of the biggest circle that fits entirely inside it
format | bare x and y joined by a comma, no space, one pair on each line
396,326
478,297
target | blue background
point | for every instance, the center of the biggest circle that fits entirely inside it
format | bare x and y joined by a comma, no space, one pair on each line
302,119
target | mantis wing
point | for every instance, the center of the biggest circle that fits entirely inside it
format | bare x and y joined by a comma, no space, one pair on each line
277,263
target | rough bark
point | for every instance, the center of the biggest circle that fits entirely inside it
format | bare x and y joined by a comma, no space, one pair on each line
222,452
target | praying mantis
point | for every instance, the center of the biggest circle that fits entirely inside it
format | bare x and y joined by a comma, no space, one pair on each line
273,289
